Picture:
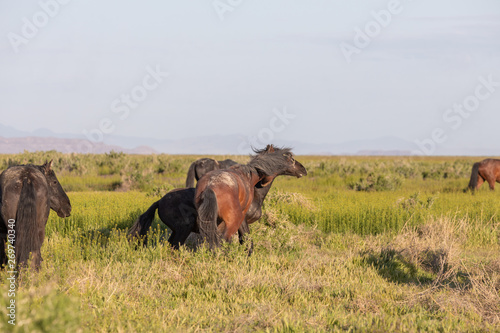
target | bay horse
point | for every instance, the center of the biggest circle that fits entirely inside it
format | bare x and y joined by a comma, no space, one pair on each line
27,193
223,197
176,210
486,170
204,165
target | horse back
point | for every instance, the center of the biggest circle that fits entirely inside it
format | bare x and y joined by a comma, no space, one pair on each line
228,185
11,184
490,165
176,209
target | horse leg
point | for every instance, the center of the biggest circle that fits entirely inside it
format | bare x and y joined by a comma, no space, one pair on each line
233,218
491,182
178,238
485,175
37,259
175,240
183,235
6,214
3,255
171,239
3,241
221,228
243,229
480,181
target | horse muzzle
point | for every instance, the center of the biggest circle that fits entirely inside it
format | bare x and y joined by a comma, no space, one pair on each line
63,213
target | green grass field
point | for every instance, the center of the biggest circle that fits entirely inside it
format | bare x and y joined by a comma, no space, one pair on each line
375,244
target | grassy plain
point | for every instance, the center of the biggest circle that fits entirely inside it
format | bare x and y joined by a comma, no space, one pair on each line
377,244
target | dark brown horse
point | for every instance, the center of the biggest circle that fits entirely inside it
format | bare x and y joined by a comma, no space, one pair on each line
27,193
204,165
176,210
486,170
223,197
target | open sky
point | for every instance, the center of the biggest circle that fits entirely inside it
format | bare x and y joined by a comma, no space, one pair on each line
342,70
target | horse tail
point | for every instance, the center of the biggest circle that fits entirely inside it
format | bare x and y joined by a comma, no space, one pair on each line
143,222
207,217
191,175
474,175
26,229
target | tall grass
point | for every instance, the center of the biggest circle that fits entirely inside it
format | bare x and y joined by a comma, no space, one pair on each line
422,256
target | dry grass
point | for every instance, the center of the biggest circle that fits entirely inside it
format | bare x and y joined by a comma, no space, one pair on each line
450,276
325,258
291,198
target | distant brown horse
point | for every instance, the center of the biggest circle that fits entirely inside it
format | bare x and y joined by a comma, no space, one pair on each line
223,197
486,170
27,193
177,211
204,165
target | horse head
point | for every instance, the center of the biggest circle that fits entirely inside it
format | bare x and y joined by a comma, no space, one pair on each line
294,167
59,201
272,161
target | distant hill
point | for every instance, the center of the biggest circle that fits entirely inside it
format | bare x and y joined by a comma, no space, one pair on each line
18,145
15,141
218,145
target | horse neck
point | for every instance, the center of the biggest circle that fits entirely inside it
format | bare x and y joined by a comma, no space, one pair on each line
260,193
254,178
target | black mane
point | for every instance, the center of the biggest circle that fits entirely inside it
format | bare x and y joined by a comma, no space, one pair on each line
270,163
283,150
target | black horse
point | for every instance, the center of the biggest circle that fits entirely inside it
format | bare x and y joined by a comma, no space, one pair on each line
177,210
204,165
27,193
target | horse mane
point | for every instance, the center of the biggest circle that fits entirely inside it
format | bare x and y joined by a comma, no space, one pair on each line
40,168
262,151
269,163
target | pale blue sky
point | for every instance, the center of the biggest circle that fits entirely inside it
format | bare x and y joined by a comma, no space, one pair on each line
227,76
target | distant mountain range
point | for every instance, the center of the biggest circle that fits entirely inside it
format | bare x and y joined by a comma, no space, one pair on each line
31,143
15,141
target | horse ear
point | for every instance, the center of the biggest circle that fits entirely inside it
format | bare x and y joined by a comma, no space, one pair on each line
47,166
270,149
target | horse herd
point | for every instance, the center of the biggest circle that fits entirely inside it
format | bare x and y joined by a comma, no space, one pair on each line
227,198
